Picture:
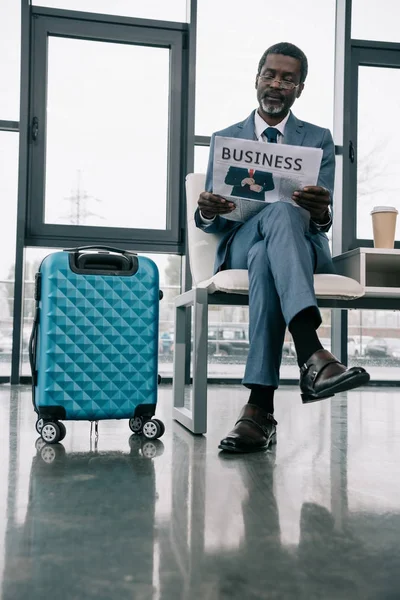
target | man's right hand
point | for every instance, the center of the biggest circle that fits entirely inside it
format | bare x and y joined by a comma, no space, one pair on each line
211,205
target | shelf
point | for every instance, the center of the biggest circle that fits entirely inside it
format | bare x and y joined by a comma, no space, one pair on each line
377,269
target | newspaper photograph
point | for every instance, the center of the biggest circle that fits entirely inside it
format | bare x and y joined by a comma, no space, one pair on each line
250,173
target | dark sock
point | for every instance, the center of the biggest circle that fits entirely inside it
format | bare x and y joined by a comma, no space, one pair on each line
263,397
303,330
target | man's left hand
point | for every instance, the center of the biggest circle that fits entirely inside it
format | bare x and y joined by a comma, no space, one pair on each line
316,200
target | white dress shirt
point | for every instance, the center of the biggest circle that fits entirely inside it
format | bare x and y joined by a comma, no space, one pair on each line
260,126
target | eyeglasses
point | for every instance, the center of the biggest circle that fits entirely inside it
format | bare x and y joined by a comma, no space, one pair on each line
283,83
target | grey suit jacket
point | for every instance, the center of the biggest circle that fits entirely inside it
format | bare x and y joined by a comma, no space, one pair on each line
297,133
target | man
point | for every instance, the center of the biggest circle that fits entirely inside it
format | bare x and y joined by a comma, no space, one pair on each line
282,247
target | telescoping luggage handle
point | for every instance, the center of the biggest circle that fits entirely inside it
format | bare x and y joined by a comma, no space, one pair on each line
104,260
32,348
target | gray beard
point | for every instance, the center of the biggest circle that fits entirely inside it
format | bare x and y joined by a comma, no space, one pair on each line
271,109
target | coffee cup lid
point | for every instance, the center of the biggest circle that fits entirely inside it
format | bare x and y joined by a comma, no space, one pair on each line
377,209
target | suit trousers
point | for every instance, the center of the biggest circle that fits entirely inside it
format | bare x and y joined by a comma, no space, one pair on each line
275,246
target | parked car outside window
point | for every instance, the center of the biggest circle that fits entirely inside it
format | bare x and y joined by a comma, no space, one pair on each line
383,348
228,340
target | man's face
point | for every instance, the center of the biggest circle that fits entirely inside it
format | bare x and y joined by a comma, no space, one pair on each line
273,99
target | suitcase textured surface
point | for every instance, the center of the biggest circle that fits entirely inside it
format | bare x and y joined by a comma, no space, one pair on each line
97,347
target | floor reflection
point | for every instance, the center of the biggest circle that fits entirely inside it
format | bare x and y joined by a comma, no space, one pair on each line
89,515
123,517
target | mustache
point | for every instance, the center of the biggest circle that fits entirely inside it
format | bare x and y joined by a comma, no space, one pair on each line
266,96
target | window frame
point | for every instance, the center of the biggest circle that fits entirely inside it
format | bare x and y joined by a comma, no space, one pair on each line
46,22
369,54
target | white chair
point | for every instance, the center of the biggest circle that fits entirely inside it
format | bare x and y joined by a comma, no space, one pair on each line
225,288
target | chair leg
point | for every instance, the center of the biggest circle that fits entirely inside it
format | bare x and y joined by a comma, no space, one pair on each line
339,319
199,359
180,345
195,419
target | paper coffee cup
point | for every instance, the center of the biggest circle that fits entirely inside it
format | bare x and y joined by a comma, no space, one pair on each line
384,226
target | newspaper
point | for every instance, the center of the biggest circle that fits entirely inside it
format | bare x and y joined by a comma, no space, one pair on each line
251,174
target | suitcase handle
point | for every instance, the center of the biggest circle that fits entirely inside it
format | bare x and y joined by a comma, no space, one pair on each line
32,346
120,262
98,247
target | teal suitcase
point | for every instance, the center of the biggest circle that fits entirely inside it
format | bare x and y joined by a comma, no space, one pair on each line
94,343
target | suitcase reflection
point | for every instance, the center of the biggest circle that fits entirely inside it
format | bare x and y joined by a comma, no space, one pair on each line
89,530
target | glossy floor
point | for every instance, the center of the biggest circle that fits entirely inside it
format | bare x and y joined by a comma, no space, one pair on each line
317,518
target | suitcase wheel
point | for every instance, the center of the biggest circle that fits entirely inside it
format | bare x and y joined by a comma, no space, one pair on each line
50,454
145,448
51,432
151,450
39,444
161,425
153,429
63,430
136,424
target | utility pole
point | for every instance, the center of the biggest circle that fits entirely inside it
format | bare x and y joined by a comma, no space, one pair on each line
79,212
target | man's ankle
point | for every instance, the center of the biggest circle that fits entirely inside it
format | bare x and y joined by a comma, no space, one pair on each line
263,397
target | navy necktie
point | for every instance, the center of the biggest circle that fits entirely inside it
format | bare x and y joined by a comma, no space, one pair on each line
271,133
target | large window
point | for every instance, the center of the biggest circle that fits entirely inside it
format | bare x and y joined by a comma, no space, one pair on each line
173,10
374,154
231,39
8,195
228,343
10,51
103,164
378,155
230,42
201,158
375,20
374,342
105,131
101,168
